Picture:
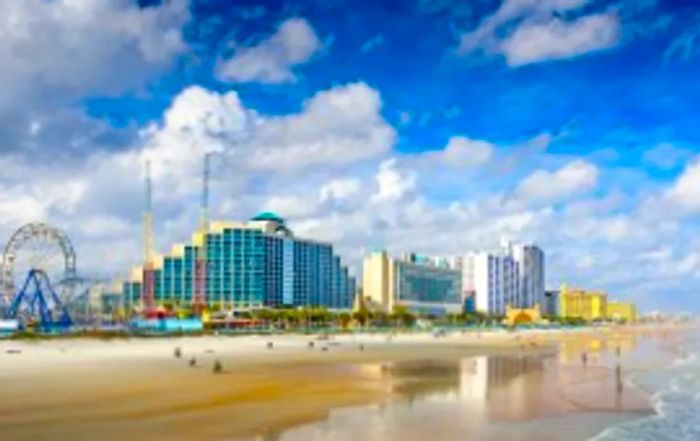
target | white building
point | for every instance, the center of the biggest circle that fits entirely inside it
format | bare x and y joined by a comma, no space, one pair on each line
492,277
530,259
512,276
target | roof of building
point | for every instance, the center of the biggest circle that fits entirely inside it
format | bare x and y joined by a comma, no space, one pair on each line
268,216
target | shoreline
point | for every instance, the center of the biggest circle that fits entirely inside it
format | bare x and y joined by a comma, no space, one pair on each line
133,387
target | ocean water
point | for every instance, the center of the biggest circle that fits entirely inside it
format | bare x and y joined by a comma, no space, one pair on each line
675,392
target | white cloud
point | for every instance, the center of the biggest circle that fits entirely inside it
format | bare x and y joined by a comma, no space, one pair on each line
335,195
17,209
340,189
485,34
576,177
106,227
338,126
657,254
617,228
392,184
465,152
528,31
31,202
272,60
335,129
689,265
294,206
685,193
196,109
558,39
59,50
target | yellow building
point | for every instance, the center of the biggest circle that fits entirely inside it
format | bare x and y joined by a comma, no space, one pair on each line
522,316
586,305
622,311
378,281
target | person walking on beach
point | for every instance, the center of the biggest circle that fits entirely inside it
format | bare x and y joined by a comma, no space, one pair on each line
584,358
618,379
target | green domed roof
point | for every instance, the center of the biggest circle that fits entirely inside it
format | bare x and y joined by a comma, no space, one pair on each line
268,216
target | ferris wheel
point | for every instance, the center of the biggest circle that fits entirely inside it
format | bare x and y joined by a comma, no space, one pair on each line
38,247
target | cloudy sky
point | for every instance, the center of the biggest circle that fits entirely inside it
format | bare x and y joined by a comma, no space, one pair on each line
434,126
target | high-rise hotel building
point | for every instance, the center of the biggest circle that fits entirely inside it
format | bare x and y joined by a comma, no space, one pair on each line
530,260
423,285
492,278
512,276
250,265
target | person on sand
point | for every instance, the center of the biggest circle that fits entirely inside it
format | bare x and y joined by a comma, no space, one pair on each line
584,358
618,379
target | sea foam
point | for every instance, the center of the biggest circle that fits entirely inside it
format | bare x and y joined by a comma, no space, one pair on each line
676,400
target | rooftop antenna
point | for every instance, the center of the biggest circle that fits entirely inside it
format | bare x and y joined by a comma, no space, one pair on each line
204,203
200,296
148,216
148,295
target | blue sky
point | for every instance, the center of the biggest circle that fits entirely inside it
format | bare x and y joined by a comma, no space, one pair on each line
436,126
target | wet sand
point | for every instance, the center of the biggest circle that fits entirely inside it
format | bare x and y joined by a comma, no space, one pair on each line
138,390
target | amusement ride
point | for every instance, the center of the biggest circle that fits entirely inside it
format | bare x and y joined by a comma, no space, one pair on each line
39,279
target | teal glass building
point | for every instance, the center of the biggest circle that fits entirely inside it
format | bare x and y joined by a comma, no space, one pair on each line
251,265
427,288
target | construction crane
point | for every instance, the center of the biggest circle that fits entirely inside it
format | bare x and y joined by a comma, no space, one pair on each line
199,301
148,287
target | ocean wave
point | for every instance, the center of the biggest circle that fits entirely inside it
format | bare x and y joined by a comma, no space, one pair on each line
676,400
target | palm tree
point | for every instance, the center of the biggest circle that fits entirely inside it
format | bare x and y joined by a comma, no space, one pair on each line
344,318
264,315
381,318
401,314
362,316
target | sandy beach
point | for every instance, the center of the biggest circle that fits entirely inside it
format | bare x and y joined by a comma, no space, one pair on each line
138,389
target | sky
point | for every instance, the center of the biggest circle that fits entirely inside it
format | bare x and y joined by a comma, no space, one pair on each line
438,127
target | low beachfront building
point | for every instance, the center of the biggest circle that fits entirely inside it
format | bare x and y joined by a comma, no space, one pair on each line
582,304
249,265
622,312
550,306
522,316
422,285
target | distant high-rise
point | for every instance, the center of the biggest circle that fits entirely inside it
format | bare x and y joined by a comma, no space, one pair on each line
512,276
550,306
423,285
530,259
492,277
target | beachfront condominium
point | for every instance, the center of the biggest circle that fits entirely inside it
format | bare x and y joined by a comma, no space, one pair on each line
423,285
530,259
582,304
550,306
511,276
593,305
493,278
254,264
622,312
